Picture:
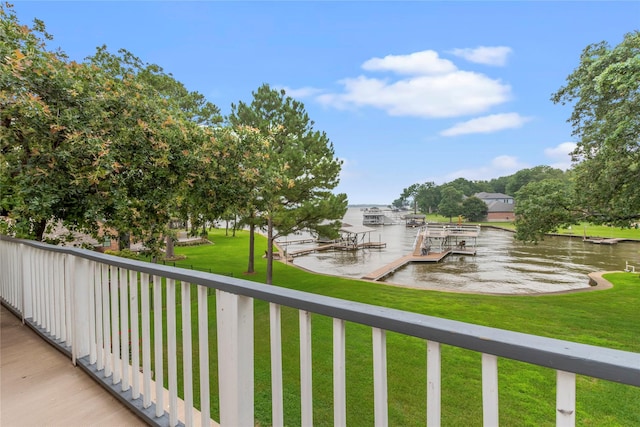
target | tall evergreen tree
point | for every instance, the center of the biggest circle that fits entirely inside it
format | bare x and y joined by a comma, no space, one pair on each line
299,171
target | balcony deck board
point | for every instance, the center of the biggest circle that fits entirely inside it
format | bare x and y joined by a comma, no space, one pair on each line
40,386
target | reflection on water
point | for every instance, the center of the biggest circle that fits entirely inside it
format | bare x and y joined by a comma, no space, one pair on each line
502,265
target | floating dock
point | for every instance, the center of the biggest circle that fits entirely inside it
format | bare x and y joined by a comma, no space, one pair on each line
448,239
401,262
351,238
336,246
598,241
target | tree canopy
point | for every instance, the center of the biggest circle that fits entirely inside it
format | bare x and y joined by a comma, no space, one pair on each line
605,92
474,209
103,143
297,172
451,202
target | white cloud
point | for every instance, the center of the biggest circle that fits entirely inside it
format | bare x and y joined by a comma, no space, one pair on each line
487,124
561,155
487,55
417,63
302,92
446,95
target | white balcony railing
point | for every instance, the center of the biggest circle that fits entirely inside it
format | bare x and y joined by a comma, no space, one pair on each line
104,311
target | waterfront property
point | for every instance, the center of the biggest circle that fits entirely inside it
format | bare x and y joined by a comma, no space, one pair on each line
118,317
500,207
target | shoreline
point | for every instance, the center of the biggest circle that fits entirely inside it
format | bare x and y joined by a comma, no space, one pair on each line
594,277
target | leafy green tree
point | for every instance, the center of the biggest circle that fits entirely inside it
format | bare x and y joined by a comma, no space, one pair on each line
497,185
108,141
474,209
398,203
464,186
428,197
147,143
298,172
45,101
525,176
605,92
451,202
542,207
409,196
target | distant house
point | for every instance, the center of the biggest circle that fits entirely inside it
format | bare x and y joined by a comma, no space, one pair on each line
500,206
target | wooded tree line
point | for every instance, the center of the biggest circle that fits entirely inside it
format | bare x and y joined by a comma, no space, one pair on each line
456,197
603,186
113,143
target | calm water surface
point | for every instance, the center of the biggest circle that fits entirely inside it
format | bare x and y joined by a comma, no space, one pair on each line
502,265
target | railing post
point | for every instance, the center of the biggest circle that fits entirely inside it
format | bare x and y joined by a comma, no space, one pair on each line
203,343
79,270
275,333
235,359
27,289
339,374
380,394
433,384
566,399
489,390
306,377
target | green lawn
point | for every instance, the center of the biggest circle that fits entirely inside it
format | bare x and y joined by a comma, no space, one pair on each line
582,229
607,318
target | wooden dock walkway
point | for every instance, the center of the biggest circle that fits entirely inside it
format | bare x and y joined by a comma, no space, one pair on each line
599,241
401,262
336,246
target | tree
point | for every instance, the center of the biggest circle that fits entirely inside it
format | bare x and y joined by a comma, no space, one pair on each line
108,141
605,92
498,185
450,204
44,103
409,195
524,176
542,207
474,209
428,197
298,172
464,186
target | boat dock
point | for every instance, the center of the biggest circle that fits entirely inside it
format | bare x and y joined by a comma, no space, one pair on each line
447,239
600,241
336,246
401,262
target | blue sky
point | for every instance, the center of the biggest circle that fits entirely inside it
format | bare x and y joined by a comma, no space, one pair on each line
408,92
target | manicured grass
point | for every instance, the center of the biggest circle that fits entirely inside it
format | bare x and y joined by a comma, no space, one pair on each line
582,229
527,394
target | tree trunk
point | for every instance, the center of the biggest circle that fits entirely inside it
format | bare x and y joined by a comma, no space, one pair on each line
235,224
169,252
39,229
124,240
269,251
252,240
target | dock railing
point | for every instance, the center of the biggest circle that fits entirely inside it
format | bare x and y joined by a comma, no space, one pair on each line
126,323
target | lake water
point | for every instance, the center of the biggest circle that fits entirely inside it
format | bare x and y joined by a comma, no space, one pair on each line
501,265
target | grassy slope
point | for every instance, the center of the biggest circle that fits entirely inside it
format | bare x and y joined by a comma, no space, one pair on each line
527,394
582,229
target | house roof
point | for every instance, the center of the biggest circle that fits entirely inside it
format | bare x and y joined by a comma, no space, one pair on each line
484,196
497,206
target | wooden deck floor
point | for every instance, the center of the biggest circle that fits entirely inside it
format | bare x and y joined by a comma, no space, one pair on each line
40,387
